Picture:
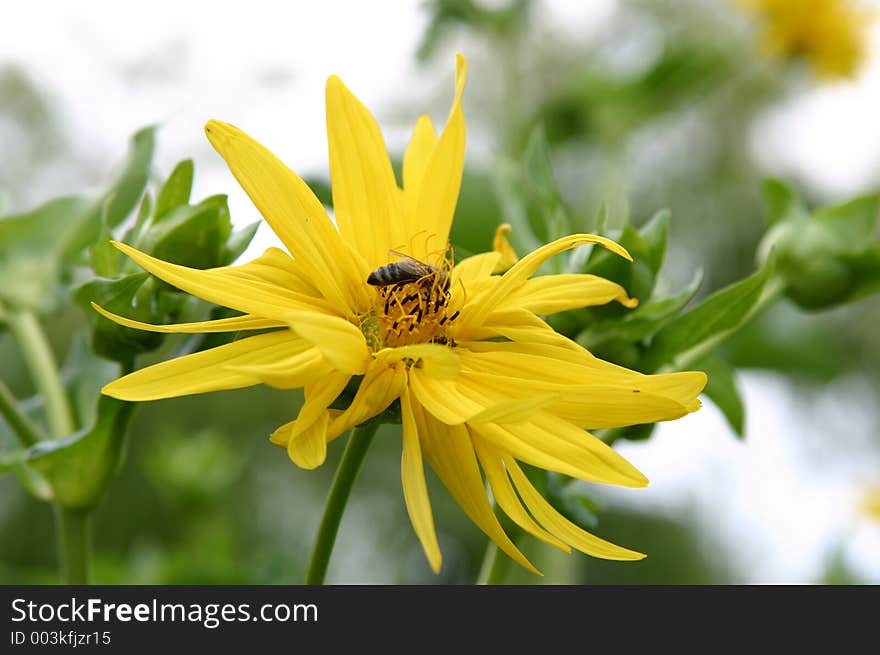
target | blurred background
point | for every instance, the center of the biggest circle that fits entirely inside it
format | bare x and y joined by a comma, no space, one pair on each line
645,104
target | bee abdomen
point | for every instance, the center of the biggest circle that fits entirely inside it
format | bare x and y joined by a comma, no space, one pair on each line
384,275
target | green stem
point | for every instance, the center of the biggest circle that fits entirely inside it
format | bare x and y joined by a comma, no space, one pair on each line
21,425
357,446
40,361
75,545
495,566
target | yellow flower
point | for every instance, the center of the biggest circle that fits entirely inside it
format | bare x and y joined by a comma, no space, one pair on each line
829,34
483,382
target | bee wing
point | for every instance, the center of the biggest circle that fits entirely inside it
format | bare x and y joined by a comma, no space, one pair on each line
411,265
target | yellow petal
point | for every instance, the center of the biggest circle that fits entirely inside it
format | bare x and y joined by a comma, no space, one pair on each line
415,490
557,524
450,453
437,361
225,286
381,385
438,193
233,324
506,497
342,344
365,194
474,268
546,365
294,213
548,294
501,245
308,449
415,162
443,399
204,371
480,306
291,372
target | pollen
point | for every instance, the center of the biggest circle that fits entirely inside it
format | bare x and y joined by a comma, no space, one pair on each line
415,312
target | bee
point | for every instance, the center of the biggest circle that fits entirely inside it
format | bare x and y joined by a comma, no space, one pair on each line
405,271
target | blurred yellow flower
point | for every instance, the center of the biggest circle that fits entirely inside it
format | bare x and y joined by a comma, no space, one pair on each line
870,505
483,382
829,34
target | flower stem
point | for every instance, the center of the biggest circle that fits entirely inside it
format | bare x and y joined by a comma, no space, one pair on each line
357,446
21,425
75,545
495,566
41,363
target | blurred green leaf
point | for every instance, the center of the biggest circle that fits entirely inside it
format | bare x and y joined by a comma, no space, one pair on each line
781,203
115,204
648,249
104,257
110,340
722,390
693,335
645,320
31,245
239,241
850,224
543,187
175,191
126,190
78,467
191,235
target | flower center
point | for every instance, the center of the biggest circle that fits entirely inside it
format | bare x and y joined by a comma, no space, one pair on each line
412,306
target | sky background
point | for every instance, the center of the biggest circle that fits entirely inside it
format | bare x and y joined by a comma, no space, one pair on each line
777,503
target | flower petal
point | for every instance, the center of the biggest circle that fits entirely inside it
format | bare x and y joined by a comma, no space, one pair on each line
501,245
546,365
382,384
233,324
438,193
415,490
319,394
480,306
204,371
294,213
415,162
437,361
548,294
291,372
226,286
366,201
450,453
506,497
308,449
342,344
557,524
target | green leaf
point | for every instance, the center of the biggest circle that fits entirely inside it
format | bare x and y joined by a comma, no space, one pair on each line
865,269
31,244
693,335
722,390
175,191
120,199
543,187
192,235
781,203
126,191
105,259
109,340
508,190
851,223
648,249
645,320
79,467
239,241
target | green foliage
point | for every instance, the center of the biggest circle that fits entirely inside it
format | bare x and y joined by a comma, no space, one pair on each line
62,253
691,336
825,258
722,390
